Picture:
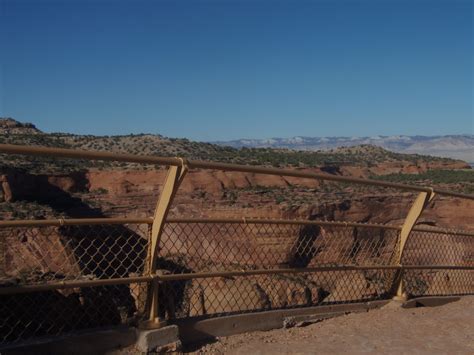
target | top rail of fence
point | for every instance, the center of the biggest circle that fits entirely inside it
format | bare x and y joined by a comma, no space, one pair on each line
98,221
200,164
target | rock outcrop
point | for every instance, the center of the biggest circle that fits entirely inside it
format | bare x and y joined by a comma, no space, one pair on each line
216,194
10,126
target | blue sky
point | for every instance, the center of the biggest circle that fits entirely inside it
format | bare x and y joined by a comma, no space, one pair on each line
218,70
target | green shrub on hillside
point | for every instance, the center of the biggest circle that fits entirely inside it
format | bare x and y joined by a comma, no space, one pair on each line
147,144
434,176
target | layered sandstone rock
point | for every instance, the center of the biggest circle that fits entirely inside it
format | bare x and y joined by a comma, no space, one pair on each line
210,194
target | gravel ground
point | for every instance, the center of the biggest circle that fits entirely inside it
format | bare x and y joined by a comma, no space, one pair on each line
447,329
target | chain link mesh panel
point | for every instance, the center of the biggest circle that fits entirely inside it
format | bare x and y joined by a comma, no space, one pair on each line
210,246
200,247
439,249
44,255
218,296
52,313
37,255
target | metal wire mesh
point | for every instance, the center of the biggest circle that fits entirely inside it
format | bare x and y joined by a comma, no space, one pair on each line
52,313
218,296
198,247
439,249
44,255
48,257
206,246
35,256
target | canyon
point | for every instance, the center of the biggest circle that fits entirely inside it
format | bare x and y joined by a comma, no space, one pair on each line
44,189
207,193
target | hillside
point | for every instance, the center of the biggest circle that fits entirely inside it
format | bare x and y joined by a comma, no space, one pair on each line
14,132
451,146
11,126
42,187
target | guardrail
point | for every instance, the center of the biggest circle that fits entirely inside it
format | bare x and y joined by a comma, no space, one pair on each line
60,276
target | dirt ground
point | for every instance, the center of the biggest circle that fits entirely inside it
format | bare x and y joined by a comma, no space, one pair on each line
447,329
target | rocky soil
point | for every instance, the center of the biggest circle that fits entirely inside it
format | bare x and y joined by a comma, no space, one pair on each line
132,193
446,329
32,189
14,132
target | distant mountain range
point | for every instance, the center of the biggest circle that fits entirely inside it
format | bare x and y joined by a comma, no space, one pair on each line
21,133
284,150
450,146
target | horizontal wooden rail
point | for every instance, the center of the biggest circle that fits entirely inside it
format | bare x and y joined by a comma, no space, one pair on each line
279,221
86,154
73,222
9,290
439,230
302,174
318,223
120,221
437,267
201,275
200,164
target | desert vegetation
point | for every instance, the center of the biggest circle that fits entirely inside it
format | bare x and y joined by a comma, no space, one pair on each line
462,180
155,144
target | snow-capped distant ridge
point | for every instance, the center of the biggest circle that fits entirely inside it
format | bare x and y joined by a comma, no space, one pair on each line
450,146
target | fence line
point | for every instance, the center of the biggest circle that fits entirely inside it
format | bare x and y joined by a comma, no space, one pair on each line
110,220
200,164
58,276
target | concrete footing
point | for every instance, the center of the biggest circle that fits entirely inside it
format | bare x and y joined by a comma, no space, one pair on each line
114,341
128,340
430,301
99,341
196,329
158,340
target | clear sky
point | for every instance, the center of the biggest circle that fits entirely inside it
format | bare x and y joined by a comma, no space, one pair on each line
218,70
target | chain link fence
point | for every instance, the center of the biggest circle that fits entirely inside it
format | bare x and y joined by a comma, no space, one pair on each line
58,255
451,248
261,247
211,268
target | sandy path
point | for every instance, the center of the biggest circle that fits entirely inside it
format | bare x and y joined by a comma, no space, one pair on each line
390,330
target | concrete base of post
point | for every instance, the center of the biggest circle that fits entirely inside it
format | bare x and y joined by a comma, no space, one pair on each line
114,341
158,340
157,323
400,298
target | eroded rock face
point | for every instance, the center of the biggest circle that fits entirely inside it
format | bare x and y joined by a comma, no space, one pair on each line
53,312
37,254
17,185
211,194
31,256
5,194
406,168
137,192
11,126
239,294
